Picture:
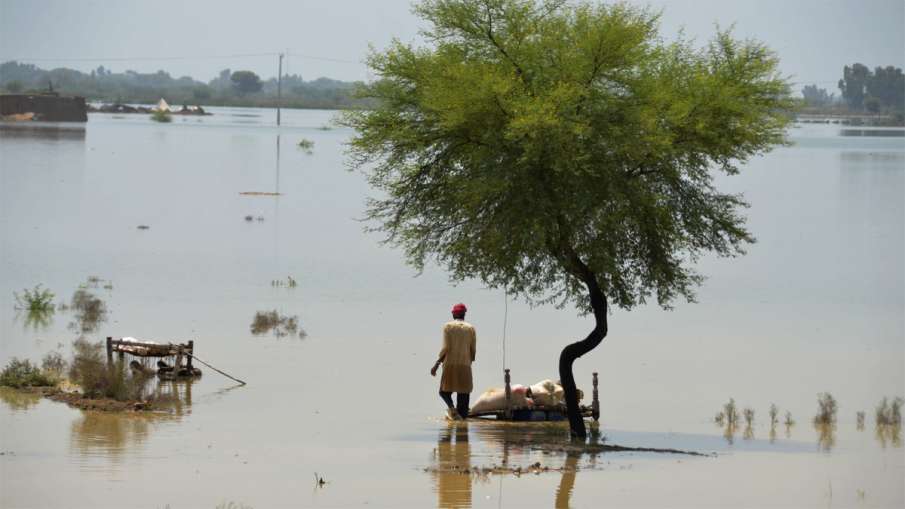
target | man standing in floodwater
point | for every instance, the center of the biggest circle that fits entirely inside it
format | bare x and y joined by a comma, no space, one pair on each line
457,354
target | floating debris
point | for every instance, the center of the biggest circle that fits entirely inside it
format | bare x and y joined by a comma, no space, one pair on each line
144,227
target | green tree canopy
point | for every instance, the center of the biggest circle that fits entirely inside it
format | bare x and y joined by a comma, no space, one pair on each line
246,82
564,151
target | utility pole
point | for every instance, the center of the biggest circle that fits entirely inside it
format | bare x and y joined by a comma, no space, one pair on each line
279,88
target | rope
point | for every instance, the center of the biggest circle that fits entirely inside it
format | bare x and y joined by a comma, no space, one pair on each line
505,323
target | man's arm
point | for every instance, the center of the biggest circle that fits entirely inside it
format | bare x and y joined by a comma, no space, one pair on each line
474,344
442,353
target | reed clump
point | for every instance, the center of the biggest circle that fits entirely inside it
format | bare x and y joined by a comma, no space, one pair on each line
859,420
889,413
290,282
826,409
729,414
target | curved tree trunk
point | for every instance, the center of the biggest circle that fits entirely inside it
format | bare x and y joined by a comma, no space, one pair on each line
579,348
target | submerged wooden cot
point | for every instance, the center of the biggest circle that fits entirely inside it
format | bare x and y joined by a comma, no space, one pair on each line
180,351
541,412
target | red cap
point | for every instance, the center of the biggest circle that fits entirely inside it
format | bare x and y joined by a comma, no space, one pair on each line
459,309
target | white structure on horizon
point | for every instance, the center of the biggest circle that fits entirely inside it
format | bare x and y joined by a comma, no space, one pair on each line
161,105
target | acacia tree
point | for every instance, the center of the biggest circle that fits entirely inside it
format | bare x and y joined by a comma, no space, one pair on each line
564,152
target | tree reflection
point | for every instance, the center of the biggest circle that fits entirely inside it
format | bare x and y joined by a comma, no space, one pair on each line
18,400
38,319
113,434
567,482
826,435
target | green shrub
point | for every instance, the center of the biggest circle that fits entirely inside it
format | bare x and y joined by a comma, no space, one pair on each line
22,373
36,299
161,116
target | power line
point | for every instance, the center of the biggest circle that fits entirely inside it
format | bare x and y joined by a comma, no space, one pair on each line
144,58
171,58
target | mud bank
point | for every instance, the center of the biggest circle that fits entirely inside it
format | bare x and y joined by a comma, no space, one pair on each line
77,400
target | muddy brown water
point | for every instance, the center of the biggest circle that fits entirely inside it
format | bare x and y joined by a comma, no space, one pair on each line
815,306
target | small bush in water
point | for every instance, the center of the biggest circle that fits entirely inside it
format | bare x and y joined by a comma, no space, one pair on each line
826,409
22,373
36,299
306,145
890,413
774,413
98,380
161,116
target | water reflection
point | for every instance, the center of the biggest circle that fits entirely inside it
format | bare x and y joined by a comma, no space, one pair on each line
826,435
452,478
567,482
18,400
884,133
46,131
889,435
90,311
112,435
37,319
522,449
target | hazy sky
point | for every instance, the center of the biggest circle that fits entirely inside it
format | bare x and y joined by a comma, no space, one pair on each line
814,38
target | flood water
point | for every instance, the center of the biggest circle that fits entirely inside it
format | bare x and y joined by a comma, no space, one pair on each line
815,306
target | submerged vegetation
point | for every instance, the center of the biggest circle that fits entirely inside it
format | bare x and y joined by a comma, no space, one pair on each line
280,325
306,145
37,303
161,116
826,409
290,282
729,414
37,299
889,413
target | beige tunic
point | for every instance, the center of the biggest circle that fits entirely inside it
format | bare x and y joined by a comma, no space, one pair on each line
459,349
